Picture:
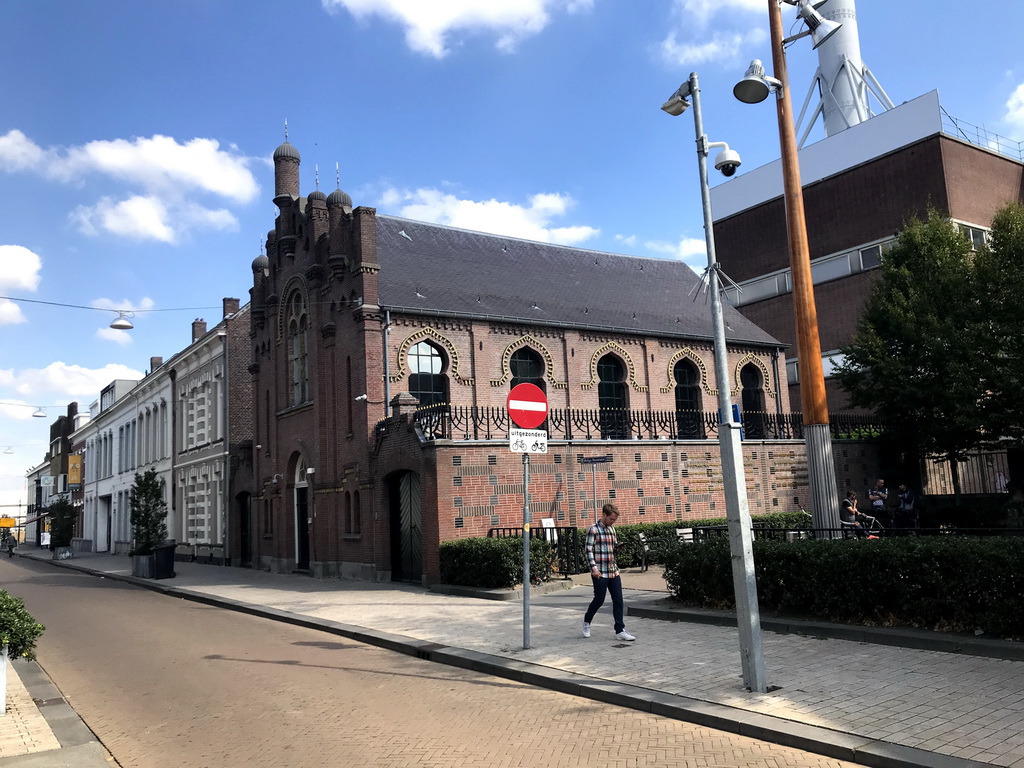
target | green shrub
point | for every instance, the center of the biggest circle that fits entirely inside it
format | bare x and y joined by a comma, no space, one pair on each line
18,630
148,512
661,537
941,582
493,563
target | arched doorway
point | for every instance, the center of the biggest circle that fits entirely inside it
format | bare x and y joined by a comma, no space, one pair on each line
753,401
403,489
612,399
243,502
689,417
301,517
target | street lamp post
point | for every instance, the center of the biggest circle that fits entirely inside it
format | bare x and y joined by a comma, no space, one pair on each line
753,88
737,509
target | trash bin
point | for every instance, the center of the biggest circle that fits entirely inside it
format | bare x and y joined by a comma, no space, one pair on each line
163,561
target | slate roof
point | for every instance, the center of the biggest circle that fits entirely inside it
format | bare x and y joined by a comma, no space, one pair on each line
434,269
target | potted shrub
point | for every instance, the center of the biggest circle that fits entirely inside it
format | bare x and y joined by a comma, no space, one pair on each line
18,635
149,523
62,527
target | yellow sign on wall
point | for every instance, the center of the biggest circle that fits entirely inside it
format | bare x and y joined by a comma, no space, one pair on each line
7,522
75,469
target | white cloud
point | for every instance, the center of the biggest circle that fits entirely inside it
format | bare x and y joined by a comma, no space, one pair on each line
691,250
19,153
530,222
19,271
161,164
1015,110
714,31
60,380
137,218
429,27
112,334
170,174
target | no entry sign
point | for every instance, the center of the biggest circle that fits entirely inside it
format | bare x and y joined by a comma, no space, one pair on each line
527,405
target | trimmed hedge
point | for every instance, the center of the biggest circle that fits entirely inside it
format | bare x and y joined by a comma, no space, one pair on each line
18,630
493,563
661,537
946,583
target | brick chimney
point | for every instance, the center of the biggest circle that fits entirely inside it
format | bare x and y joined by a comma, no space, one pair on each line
198,329
154,363
230,307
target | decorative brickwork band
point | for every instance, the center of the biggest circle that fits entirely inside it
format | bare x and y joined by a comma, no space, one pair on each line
611,346
691,355
536,346
750,357
423,335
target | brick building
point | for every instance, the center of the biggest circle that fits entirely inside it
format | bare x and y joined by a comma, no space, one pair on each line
383,350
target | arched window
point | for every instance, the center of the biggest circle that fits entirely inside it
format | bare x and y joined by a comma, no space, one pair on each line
427,382
612,399
527,368
689,417
298,350
753,401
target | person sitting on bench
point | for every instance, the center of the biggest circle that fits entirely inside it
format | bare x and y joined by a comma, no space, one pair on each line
848,514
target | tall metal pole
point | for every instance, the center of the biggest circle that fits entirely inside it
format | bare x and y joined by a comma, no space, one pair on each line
526,550
820,466
748,616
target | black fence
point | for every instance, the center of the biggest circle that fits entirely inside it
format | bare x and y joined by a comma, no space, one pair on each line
447,422
568,544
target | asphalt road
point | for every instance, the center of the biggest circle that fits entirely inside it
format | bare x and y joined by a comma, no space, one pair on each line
166,682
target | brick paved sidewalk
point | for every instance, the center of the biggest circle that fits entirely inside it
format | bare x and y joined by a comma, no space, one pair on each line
915,707
23,730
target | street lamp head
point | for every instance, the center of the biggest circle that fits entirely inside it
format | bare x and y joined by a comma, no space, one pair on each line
677,103
755,85
122,323
821,29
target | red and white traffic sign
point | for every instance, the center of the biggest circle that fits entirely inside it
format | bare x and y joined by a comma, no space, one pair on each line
527,405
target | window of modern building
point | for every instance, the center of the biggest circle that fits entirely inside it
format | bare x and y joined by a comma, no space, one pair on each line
689,418
527,368
427,381
298,349
612,398
871,257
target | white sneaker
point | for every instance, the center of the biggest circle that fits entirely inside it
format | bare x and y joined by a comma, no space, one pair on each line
623,635
586,629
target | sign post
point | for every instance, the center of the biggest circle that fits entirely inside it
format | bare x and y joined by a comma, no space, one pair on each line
527,408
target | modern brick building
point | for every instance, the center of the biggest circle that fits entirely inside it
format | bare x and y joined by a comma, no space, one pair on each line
861,185
383,350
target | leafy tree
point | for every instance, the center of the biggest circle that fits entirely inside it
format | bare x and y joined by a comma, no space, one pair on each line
1001,280
62,523
920,345
148,512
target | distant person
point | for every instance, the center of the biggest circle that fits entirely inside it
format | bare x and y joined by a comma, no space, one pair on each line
10,543
906,514
849,514
601,545
878,495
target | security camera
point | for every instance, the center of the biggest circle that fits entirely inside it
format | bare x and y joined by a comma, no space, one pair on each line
360,397
727,162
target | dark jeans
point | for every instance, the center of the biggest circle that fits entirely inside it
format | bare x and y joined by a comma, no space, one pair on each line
601,587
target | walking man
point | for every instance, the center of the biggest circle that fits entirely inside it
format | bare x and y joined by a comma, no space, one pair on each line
601,544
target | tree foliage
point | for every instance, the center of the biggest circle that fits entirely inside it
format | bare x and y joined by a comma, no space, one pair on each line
62,523
939,336
148,512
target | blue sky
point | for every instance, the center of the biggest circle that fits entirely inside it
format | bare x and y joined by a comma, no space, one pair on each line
135,143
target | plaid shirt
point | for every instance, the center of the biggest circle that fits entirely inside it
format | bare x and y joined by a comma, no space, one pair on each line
601,544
